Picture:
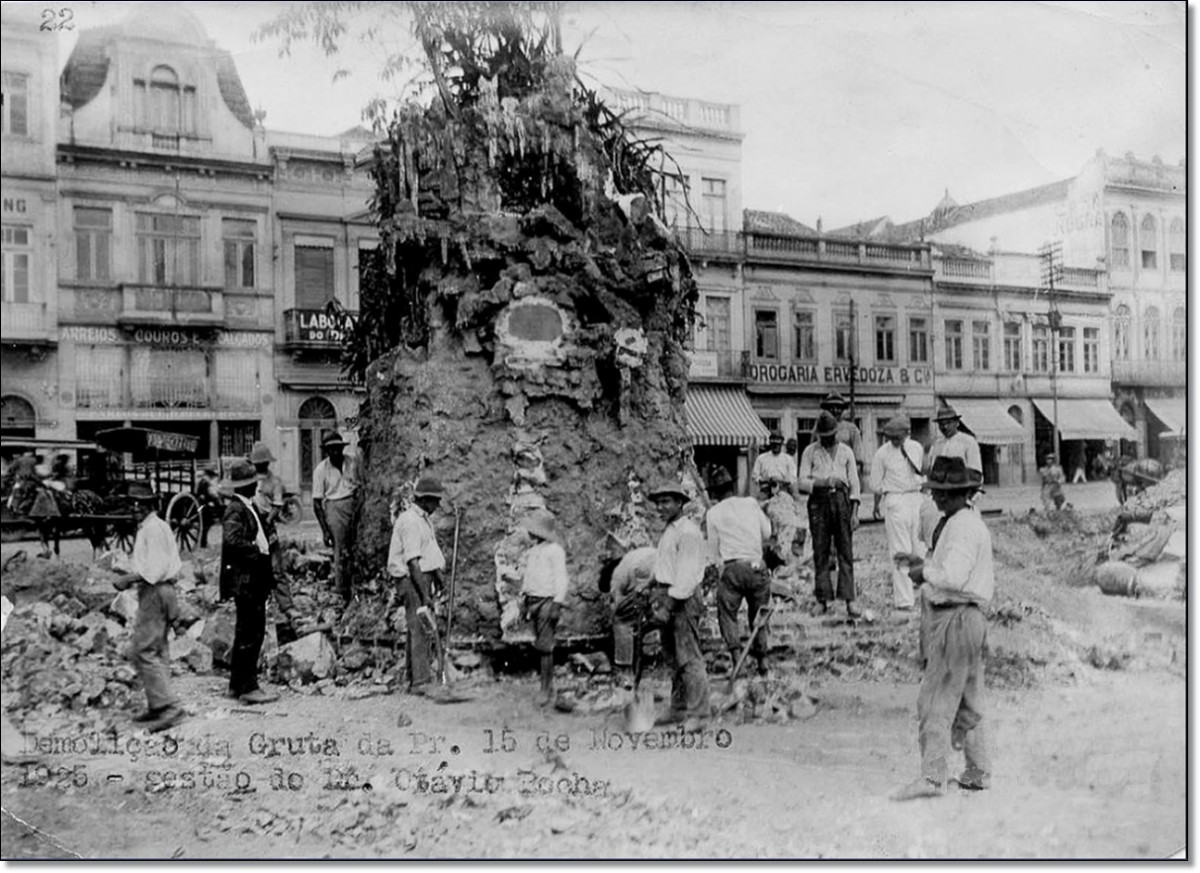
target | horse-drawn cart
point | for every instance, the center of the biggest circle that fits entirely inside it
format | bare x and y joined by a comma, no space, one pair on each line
95,501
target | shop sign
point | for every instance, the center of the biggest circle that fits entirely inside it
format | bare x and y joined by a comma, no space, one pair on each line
169,337
782,374
15,205
321,327
172,442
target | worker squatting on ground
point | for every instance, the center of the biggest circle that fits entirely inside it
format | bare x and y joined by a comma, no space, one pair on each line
335,501
247,577
415,563
1053,479
678,570
830,476
737,529
154,565
958,581
268,503
628,581
896,478
544,591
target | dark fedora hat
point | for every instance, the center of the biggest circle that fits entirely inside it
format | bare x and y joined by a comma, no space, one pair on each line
719,479
826,424
241,474
952,474
945,413
141,492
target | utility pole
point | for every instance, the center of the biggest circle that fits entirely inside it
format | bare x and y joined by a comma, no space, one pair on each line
853,340
1052,271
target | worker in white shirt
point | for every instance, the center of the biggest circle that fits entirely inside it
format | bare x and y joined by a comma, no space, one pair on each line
896,478
958,580
335,496
154,565
678,571
416,562
775,465
953,444
737,529
544,589
829,474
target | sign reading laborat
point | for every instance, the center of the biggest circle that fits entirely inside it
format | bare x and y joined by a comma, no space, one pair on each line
321,327
802,374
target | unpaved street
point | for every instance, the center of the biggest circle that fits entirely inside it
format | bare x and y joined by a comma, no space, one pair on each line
1088,713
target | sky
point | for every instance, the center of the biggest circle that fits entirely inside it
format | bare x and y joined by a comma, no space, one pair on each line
850,110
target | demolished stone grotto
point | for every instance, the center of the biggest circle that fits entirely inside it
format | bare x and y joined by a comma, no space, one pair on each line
521,336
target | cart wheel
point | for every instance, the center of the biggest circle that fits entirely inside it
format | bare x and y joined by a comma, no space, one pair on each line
183,514
293,510
121,537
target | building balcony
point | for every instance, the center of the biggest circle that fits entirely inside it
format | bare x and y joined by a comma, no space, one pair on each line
718,366
25,324
171,305
164,392
316,329
709,243
841,252
1157,374
660,110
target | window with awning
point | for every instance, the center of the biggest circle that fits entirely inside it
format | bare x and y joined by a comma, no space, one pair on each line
1080,419
720,415
988,420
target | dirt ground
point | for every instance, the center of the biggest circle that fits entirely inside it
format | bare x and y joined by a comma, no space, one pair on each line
1088,714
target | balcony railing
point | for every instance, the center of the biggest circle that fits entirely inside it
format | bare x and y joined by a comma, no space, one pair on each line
965,269
836,251
1150,373
709,242
722,364
176,305
316,329
24,322
651,107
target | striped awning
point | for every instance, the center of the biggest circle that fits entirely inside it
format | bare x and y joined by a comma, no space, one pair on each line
988,420
1086,419
720,415
1171,411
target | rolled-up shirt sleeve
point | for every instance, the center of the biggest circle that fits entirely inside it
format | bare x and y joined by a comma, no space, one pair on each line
952,570
405,545
852,475
804,478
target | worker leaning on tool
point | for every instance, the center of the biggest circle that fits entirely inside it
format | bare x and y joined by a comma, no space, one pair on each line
416,562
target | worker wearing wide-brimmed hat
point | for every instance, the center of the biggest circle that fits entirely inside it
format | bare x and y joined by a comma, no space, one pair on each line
544,588
335,498
957,580
896,480
955,443
154,565
415,563
268,502
247,577
678,571
847,431
829,475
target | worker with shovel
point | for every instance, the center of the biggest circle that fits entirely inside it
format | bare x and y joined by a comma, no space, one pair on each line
416,562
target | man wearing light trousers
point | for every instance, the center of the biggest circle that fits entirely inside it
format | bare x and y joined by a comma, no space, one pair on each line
896,478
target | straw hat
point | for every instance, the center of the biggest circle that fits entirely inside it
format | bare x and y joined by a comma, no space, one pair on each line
332,440
541,523
241,474
897,425
260,454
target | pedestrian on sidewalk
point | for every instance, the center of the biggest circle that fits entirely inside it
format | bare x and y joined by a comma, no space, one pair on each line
415,563
268,503
335,499
154,566
896,479
246,575
678,571
958,582
737,530
544,591
829,475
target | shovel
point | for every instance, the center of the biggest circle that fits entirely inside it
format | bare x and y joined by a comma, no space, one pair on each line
760,622
639,712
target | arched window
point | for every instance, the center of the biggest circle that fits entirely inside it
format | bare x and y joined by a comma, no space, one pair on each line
1120,240
1179,334
1016,414
1121,325
164,100
317,415
17,416
1148,240
1152,334
1177,240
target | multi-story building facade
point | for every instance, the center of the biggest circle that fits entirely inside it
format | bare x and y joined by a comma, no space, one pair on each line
166,288
321,227
28,313
1126,217
998,363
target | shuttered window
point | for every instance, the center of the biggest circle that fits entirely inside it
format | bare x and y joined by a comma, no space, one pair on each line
314,277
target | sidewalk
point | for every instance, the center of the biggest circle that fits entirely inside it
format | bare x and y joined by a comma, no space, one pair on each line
1018,500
